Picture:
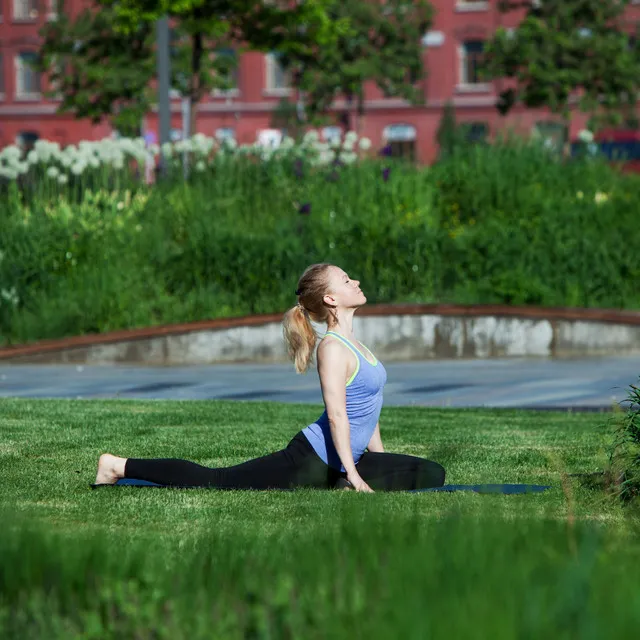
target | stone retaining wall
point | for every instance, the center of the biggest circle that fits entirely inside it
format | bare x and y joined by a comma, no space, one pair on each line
393,332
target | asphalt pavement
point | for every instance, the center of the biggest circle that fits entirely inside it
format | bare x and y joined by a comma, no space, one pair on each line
584,384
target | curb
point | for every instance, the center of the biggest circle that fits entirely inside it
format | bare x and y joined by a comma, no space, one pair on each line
612,316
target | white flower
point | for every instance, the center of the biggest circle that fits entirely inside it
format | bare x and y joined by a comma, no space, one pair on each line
601,198
364,144
200,165
32,157
579,195
230,144
167,149
351,137
63,179
325,157
10,295
78,167
94,162
348,157
585,136
8,172
310,137
120,206
348,144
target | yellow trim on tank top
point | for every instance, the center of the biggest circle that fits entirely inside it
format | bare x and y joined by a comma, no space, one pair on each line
347,344
350,344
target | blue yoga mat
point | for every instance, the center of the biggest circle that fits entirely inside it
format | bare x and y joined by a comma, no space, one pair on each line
477,488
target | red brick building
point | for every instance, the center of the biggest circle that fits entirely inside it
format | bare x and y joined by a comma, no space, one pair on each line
450,50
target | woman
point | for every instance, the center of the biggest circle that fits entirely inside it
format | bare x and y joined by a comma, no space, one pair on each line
330,453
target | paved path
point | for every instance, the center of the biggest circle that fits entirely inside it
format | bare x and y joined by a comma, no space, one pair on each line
578,384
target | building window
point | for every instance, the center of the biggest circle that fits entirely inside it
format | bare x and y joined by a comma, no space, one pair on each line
475,132
225,134
464,6
26,140
52,9
27,78
228,69
278,79
471,54
1,76
25,9
332,134
400,140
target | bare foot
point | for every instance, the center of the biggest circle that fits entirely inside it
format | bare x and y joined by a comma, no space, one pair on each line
109,469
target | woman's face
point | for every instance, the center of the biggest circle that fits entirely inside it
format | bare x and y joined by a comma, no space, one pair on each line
345,291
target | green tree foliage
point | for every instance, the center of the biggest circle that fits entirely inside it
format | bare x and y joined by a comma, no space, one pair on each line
383,44
448,134
567,48
98,72
103,61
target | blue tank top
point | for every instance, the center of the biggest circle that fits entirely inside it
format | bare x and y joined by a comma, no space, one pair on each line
364,402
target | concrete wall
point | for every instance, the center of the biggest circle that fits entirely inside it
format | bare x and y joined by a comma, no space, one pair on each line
411,336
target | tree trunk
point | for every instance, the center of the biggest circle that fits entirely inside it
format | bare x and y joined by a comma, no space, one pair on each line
195,88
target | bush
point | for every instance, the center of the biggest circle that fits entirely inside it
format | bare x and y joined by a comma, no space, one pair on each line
625,453
507,223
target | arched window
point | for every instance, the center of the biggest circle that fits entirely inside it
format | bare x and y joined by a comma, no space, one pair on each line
401,140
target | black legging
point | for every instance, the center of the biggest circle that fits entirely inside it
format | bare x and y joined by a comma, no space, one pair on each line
298,465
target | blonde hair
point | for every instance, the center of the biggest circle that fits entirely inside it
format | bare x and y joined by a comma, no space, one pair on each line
299,334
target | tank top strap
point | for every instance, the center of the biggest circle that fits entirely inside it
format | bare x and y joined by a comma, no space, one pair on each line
351,348
355,349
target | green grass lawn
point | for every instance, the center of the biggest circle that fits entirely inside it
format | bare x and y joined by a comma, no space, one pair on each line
145,563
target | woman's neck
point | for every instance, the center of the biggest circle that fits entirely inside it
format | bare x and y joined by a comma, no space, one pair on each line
344,326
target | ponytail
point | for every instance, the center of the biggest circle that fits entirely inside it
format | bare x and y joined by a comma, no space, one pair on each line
300,337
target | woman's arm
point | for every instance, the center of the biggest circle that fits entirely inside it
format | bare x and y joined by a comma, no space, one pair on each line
334,371
375,444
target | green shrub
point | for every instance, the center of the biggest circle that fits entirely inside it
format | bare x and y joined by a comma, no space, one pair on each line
507,223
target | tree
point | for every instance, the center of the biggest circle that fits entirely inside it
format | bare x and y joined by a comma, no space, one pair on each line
296,28
448,134
382,44
103,62
565,50
98,72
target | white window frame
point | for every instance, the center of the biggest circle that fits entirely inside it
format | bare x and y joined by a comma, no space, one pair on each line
20,67
471,6
464,86
271,65
52,9
23,13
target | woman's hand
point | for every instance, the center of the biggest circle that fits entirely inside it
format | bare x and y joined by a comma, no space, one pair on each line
358,483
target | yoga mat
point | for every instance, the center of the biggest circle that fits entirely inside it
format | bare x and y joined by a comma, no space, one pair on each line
477,488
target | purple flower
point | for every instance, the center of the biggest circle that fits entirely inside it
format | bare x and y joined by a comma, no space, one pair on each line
386,152
337,162
385,173
305,209
298,168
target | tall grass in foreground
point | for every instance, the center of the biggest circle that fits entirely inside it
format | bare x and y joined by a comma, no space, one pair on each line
362,576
